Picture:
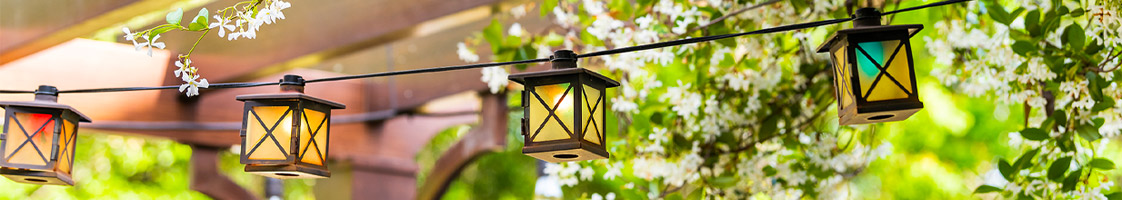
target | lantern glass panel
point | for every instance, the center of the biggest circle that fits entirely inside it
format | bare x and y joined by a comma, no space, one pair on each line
313,137
66,147
883,68
555,105
592,112
841,75
29,138
270,128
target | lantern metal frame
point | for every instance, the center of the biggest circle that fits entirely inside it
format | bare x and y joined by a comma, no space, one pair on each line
867,28
45,102
291,96
576,147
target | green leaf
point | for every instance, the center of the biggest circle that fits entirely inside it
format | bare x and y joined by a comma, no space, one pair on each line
1088,132
769,171
1077,12
1032,23
1102,163
769,128
1065,143
1025,160
1006,169
1095,85
986,189
1114,196
1093,48
1059,168
1074,36
494,33
1071,180
999,14
1060,117
175,17
1035,134
200,21
656,118
724,181
1103,105
161,30
1023,48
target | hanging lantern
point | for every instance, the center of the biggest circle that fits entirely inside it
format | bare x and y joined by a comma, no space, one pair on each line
38,142
873,70
564,111
285,135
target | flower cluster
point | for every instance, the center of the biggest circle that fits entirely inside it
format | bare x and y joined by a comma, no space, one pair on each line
243,20
1065,76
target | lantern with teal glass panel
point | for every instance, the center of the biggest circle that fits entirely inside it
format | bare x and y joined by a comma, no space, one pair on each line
874,74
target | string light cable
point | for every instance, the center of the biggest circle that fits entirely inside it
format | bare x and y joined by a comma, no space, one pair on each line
629,49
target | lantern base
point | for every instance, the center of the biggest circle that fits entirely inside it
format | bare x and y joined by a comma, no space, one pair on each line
879,114
565,151
294,171
37,177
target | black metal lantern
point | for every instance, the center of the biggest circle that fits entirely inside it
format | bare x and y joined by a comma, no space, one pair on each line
873,70
564,111
285,135
39,138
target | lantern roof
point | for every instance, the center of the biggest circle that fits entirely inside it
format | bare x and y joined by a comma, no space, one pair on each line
46,104
911,28
290,96
521,77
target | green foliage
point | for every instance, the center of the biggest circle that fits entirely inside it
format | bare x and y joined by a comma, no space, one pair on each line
117,167
175,16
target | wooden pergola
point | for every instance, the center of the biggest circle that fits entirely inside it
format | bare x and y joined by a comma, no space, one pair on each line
374,140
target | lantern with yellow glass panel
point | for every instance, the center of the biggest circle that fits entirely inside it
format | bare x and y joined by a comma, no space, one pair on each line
873,70
565,111
285,135
37,145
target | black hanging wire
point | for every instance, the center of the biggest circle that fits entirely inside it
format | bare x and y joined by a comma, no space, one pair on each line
539,60
427,70
125,89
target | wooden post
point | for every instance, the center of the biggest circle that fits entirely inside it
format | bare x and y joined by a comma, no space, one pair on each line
205,176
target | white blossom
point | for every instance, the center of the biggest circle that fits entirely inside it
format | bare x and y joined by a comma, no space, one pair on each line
495,77
191,86
516,30
466,54
130,36
150,43
518,11
222,24
184,67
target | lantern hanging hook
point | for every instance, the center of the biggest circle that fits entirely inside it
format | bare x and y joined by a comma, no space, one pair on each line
46,93
563,59
866,17
292,83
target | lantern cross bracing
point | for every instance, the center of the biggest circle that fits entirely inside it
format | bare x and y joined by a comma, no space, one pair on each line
37,145
564,111
873,70
286,134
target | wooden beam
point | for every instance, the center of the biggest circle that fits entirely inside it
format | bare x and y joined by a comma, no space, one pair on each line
31,26
207,179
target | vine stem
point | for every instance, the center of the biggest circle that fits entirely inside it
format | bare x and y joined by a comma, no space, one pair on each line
197,42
